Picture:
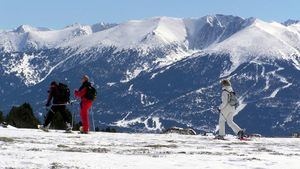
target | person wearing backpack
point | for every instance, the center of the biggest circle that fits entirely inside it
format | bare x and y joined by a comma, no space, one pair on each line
59,95
87,94
227,110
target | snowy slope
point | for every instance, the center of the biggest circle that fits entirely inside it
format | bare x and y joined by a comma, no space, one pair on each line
28,37
262,40
24,148
150,33
158,32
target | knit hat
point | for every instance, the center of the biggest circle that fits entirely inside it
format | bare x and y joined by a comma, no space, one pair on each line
225,82
53,83
85,77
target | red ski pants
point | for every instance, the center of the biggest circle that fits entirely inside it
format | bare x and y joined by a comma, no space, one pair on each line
84,114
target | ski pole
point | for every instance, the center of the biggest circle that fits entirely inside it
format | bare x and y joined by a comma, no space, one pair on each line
60,104
72,123
223,116
65,104
73,114
50,110
219,111
93,118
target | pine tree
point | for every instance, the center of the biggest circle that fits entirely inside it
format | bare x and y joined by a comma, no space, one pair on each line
1,117
22,117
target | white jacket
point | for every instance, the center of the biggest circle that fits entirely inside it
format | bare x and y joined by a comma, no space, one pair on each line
225,107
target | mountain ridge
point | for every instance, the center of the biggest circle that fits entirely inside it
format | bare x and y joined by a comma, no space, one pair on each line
162,72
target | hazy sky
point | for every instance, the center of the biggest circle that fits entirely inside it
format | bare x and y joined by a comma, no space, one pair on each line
59,13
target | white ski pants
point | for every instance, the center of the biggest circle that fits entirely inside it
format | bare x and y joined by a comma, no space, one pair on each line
227,116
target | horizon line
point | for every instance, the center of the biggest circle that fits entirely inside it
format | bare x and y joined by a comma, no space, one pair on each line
141,19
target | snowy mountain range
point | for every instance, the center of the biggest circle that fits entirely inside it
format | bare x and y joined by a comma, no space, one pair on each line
161,72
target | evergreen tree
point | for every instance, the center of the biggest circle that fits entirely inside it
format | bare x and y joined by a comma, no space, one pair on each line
22,117
1,117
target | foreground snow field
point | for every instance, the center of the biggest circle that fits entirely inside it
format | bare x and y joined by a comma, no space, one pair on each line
25,148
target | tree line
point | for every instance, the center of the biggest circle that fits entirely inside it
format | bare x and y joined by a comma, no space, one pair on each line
23,117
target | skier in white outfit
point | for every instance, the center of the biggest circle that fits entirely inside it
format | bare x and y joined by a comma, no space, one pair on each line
227,112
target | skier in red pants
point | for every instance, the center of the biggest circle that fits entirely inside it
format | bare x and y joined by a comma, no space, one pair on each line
86,102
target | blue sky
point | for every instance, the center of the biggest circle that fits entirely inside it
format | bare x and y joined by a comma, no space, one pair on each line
59,13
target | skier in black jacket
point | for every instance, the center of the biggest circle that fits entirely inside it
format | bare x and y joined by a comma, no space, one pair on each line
58,106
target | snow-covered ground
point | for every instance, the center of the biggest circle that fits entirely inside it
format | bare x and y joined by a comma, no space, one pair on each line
25,148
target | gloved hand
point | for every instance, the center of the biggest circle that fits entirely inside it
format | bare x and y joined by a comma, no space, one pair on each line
75,92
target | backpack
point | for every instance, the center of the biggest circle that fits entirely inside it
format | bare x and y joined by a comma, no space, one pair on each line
91,93
63,93
233,100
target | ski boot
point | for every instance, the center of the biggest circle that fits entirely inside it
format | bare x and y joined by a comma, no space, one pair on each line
81,131
241,134
219,137
42,127
68,128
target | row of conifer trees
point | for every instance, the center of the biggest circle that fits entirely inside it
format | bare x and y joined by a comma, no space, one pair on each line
23,117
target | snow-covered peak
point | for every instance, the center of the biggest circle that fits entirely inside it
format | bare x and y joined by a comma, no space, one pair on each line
212,29
24,28
223,20
28,28
291,22
171,29
154,32
163,31
101,26
74,25
261,40
28,37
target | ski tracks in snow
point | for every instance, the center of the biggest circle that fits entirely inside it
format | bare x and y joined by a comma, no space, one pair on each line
25,148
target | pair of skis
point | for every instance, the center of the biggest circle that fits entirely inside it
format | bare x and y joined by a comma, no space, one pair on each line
245,138
43,128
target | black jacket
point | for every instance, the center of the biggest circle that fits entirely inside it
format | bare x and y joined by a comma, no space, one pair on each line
53,94
85,85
